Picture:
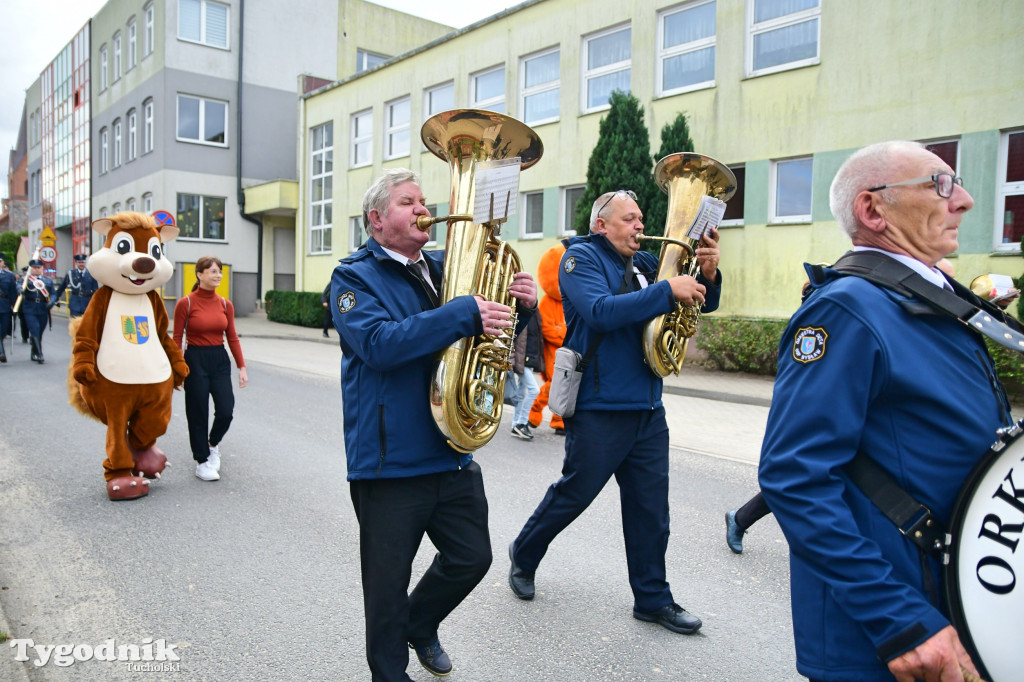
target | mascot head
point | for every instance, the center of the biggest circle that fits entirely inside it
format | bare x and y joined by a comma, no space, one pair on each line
547,271
132,260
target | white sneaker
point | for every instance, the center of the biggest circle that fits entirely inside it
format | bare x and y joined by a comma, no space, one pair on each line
214,458
206,472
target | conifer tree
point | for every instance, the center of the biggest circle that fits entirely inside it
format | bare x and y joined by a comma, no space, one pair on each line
621,158
675,138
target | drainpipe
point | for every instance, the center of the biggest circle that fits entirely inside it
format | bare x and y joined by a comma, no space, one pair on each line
258,222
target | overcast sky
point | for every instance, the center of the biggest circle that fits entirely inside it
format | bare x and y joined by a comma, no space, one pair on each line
37,30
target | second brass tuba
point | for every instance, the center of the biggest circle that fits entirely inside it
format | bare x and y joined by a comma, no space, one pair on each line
467,386
687,178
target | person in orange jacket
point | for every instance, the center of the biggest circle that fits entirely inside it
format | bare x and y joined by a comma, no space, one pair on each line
552,328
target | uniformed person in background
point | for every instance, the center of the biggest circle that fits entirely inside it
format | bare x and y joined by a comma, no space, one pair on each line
8,294
22,327
35,303
81,286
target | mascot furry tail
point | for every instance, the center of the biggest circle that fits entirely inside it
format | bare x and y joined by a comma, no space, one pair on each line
75,398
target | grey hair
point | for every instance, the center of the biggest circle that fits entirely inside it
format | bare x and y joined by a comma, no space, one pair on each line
601,203
378,196
867,167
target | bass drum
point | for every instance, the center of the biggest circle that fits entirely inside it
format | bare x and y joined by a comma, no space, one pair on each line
986,560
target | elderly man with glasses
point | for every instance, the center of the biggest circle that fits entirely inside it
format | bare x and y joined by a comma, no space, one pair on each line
609,293
868,372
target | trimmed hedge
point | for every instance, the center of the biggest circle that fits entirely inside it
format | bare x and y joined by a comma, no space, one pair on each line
301,308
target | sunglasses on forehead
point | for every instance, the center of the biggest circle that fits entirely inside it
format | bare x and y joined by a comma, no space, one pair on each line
628,192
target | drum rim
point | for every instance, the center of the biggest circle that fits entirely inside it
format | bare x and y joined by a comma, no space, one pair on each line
951,582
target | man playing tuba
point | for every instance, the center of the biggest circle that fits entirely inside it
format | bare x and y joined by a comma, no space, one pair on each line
619,428
405,479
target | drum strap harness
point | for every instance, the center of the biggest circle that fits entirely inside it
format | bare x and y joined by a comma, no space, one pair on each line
913,519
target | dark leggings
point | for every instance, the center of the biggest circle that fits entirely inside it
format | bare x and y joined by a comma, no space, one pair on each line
209,375
753,511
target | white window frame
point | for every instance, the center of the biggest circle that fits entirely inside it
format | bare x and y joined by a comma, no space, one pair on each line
202,227
115,150
326,201
103,211
103,67
130,204
363,58
132,44
492,103
147,202
1005,189
115,208
147,126
588,74
104,150
133,137
392,146
357,142
566,226
149,32
428,110
785,21
666,53
525,199
527,92
773,217
116,42
356,233
202,121
204,6
432,239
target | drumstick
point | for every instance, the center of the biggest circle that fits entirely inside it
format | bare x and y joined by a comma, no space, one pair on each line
969,676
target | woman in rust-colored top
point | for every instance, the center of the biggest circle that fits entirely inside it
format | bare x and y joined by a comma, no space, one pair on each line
201,322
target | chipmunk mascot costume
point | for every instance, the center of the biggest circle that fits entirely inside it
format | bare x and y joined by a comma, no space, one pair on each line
124,364
552,321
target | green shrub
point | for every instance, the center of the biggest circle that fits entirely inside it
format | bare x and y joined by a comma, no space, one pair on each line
302,308
741,345
1010,368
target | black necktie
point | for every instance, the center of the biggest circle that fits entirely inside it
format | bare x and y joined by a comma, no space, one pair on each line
417,272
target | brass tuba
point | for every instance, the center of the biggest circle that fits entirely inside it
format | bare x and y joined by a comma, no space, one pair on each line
467,387
687,178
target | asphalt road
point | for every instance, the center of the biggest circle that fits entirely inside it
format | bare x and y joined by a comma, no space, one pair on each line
256,576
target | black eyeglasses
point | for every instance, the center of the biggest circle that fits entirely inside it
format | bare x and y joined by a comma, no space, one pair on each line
628,192
943,183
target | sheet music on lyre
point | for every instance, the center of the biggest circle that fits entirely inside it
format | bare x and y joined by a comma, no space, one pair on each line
497,189
709,217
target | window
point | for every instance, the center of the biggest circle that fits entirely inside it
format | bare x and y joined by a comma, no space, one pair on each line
531,210
104,149
791,191
103,68
356,234
439,98
396,128
1010,191
540,85
200,217
131,43
201,120
783,34
487,89
115,153
147,202
204,22
103,212
132,134
147,129
362,138
130,204
115,208
148,34
947,150
606,63
321,188
117,57
734,207
570,197
686,48
432,209
367,60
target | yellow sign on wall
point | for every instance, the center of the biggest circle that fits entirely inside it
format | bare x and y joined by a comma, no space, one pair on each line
47,236
188,279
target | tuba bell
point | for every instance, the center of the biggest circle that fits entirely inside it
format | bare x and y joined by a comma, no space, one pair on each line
687,178
467,386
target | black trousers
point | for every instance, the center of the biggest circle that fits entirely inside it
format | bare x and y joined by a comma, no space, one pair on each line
209,375
394,514
753,511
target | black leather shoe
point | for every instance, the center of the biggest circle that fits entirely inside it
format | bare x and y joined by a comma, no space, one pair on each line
519,580
672,616
433,658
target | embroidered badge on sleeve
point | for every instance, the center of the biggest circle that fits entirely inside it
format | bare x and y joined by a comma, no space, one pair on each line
346,302
809,344
570,264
